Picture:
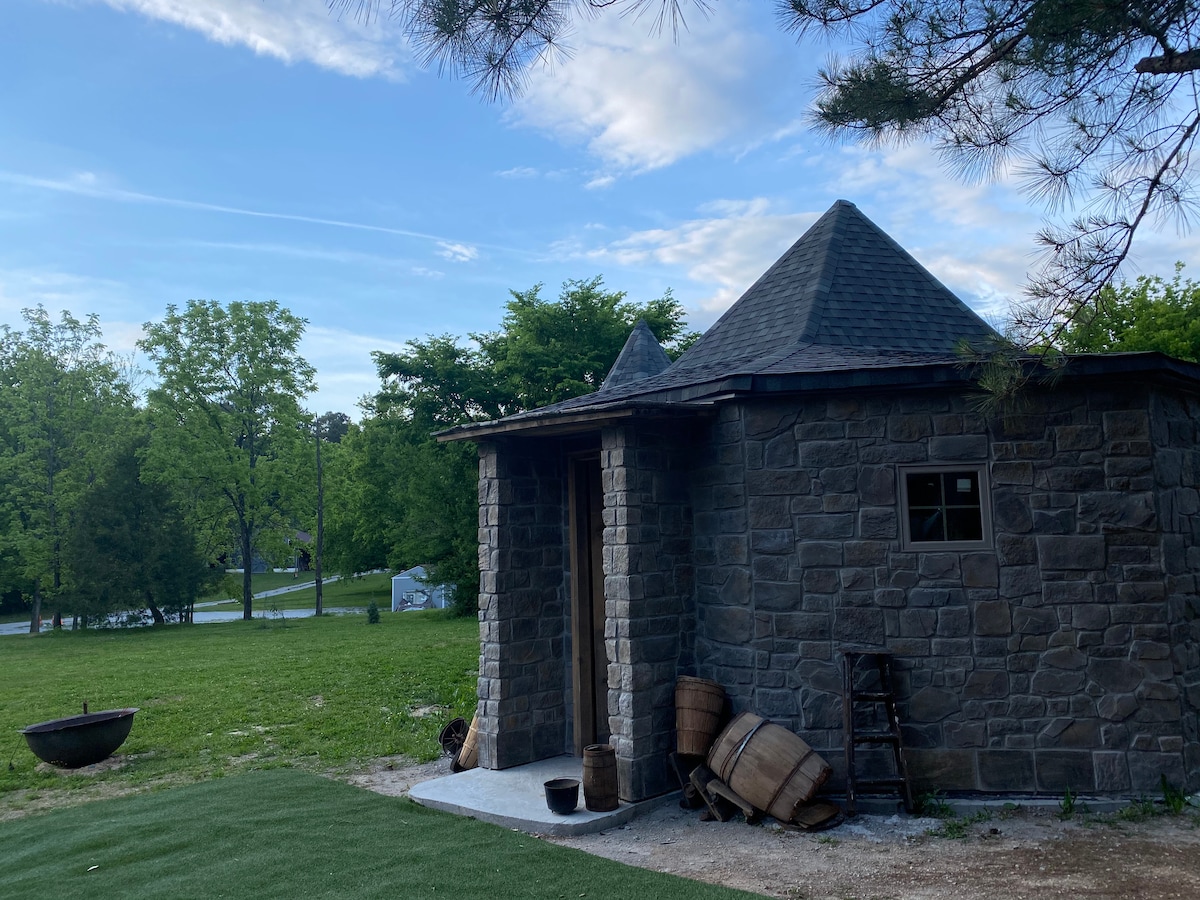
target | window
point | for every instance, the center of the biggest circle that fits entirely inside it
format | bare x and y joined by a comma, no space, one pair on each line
945,506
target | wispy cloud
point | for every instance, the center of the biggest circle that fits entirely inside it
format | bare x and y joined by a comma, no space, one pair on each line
87,184
456,252
287,30
723,251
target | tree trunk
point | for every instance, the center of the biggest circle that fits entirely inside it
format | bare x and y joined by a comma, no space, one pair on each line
247,580
320,549
35,614
56,622
155,612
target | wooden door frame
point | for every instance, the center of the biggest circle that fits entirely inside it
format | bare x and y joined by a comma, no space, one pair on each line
587,601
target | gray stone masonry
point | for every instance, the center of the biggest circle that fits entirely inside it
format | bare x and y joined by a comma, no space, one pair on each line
522,609
648,587
1063,655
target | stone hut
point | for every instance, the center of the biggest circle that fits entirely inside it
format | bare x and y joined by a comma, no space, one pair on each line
815,472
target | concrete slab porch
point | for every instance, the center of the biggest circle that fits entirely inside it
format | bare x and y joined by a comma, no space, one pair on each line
516,798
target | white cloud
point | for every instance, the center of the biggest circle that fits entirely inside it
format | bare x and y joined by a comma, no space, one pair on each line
641,101
724,252
519,172
287,30
456,252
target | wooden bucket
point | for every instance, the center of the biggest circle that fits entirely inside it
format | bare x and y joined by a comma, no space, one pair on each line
600,778
468,756
699,705
770,766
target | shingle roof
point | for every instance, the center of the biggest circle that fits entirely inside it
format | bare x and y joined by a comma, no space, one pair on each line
641,357
844,299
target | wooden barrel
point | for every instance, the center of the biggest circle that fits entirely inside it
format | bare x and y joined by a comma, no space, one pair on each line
699,705
468,756
600,778
770,766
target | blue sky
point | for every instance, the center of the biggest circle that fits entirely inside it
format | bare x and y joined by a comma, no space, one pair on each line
156,151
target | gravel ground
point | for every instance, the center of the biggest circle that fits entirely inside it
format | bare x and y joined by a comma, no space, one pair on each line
1022,853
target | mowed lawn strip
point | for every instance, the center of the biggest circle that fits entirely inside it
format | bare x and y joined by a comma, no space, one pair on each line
289,834
318,693
355,592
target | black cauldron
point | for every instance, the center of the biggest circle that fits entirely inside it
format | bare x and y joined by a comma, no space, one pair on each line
80,740
562,795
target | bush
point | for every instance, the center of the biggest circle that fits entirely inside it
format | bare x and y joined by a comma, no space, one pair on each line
373,614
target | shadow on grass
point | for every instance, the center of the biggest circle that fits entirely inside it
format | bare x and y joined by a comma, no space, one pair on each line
284,833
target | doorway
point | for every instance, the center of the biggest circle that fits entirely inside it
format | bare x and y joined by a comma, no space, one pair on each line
589,664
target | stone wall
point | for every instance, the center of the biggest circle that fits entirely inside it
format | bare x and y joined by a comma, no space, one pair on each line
523,664
1054,658
648,589
1175,433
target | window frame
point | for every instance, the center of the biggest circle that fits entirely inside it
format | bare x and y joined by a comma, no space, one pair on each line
980,470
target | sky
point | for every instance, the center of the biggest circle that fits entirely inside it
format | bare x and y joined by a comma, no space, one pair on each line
158,151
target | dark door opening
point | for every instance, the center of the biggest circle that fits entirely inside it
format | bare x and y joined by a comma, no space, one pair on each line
589,666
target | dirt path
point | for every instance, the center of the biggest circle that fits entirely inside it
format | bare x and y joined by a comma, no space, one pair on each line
1022,855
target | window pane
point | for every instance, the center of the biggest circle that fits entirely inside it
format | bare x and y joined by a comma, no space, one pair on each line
926,525
962,488
964,525
924,489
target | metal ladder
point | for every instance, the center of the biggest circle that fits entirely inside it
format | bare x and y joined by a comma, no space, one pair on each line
863,695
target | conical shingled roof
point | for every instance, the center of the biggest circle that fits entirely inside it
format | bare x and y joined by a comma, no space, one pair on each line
845,283
641,357
844,306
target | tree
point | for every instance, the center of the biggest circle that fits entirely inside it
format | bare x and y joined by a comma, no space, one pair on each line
414,501
1096,102
63,402
130,545
1150,314
227,410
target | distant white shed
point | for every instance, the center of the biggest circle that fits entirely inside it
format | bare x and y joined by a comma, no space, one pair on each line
410,591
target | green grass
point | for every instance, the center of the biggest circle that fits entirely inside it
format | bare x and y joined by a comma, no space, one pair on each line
318,693
288,834
345,592
261,581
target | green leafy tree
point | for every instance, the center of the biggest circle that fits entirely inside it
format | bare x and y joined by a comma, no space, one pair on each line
1150,314
227,409
1094,102
130,546
64,400
412,501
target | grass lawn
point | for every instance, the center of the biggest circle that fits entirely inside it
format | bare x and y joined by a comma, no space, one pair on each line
345,592
318,693
289,834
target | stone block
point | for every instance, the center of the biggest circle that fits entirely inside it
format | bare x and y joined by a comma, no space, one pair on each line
941,770
1147,769
1116,676
1057,683
918,622
960,735
1126,425
1019,473
877,485
954,622
825,527
952,448
1090,617
1006,770
932,705
1010,512
993,618
729,624
1064,658
878,523
1071,552
858,625
1077,437
986,684
819,553
777,596
1035,620
980,570
1060,770
1111,771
